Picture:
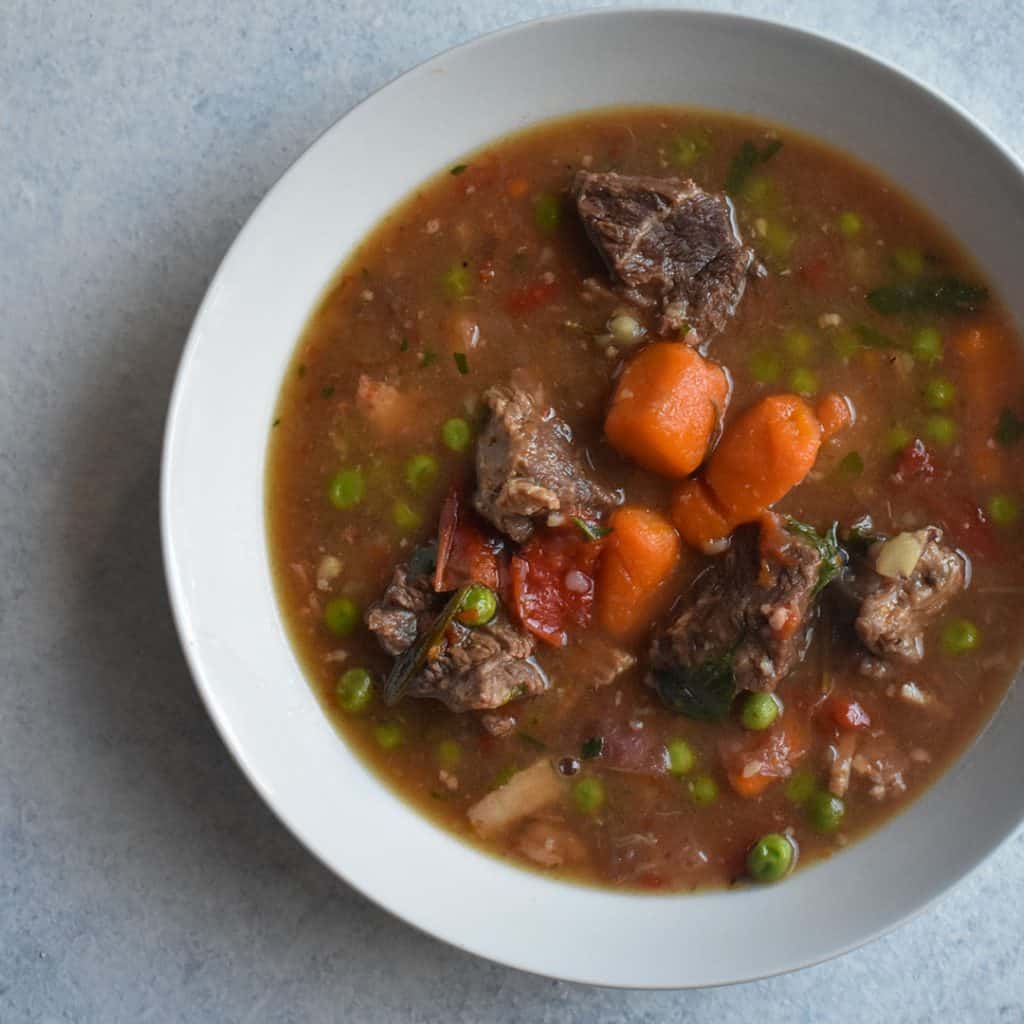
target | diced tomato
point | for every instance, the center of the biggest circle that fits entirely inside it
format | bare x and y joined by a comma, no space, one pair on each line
845,713
754,764
531,296
465,552
915,464
553,583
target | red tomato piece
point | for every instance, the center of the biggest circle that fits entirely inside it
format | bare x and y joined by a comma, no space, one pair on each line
846,713
553,584
531,296
465,552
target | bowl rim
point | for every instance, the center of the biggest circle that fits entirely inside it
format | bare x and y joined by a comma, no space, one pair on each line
175,584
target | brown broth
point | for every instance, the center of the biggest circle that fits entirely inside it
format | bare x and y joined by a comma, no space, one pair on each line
387,316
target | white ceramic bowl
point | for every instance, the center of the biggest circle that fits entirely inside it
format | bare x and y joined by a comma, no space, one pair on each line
213,508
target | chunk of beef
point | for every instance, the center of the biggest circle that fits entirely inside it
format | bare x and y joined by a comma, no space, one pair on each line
753,606
900,600
669,244
395,619
526,467
473,669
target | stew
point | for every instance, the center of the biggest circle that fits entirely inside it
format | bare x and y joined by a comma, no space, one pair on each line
644,496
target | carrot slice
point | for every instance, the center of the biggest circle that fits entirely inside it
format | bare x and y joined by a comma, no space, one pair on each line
771,757
641,554
761,457
666,406
985,358
835,413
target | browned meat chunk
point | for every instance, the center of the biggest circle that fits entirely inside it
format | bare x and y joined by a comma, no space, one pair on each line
753,607
669,244
526,467
905,590
473,669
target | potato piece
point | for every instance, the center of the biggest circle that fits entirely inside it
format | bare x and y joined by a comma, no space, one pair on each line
524,794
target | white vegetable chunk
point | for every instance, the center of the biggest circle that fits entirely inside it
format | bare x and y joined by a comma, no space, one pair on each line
524,794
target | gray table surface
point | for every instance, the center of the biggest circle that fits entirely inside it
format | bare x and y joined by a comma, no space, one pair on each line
141,879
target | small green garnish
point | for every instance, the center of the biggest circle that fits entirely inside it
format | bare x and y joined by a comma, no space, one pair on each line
461,362
850,466
1010,428
530,741
592,747
428,358
947,295
873,338
746,159
458,169
327,391
833,556
591,531
277,422
403,345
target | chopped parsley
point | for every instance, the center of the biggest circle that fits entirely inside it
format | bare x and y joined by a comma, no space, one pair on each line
1010,428
591,531
592,747
458,169
461,362
428,358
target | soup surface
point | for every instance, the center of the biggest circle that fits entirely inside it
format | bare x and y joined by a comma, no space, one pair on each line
643,499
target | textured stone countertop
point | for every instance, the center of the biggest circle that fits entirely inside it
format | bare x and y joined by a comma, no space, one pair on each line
141,878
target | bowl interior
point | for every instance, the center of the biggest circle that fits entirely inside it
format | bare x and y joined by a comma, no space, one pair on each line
213,503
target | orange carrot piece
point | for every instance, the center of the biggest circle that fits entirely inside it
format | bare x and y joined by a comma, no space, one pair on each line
666,406
761,457
641,554
986,361
771,757
835,413
517,188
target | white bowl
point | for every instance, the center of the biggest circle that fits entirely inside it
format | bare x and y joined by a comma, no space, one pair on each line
215,542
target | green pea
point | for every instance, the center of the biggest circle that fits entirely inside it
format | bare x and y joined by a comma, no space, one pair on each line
850,466
389,735
479,606
1003,509
960,636
897,438
354,691
824,811
803,381
927,346
759,711
939,393
770,858
449,754
456,434
844,345
908,260
801,787
757,189
940,429
850,224
421,473
779,239
686,150
346,488
547,212
703,790
681,757
765,367
456,282
405,517
798,344
341,616
588,795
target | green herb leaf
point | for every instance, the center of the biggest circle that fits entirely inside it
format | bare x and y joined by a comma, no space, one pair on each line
530,741
409,664
747,157
832,554
461,362
327,391
276,421
428,358
946,295
458,169
703,691
860,535
873,338
592,747
1010,428
591,531
851,466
